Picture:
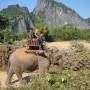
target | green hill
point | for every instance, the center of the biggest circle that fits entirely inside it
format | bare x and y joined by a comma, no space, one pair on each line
19,18
15,11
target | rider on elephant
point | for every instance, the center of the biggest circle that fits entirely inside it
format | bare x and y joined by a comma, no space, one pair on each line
41,41
32,34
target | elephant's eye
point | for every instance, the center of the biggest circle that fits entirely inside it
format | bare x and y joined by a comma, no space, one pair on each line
58,58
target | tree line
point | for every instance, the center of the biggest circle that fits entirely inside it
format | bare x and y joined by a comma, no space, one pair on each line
66,32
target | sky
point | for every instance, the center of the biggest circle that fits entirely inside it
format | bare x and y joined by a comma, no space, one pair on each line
82,7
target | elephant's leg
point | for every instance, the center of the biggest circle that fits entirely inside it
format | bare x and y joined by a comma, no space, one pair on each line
18,73
21,81
46,71
42,72
9,75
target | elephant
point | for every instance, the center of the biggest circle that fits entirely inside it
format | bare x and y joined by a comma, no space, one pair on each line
54,54
20,61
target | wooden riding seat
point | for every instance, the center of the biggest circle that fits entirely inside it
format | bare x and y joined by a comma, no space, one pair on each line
33,43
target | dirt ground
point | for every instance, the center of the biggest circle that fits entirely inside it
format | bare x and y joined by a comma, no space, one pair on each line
67,44
60,45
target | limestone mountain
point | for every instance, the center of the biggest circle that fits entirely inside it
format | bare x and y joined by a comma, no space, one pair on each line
50,12
19,18
22,25
88,20
56,14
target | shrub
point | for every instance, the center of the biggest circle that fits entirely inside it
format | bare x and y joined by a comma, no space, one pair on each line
8,36
70,33
67,32
22,35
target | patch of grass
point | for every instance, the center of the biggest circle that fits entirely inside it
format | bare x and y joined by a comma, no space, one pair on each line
64,80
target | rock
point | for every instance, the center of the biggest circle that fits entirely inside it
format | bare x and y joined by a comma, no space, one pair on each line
56,14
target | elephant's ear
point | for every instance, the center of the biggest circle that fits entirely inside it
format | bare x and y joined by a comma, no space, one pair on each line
47,53
40,52
54,51
49,56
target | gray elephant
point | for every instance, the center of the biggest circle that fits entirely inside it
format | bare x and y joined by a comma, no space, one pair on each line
20,61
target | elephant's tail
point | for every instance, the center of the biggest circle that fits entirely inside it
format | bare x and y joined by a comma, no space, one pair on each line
8,66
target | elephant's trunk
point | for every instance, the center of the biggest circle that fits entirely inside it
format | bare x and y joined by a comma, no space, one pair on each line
50,58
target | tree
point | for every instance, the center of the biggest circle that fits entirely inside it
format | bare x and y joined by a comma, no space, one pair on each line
4,22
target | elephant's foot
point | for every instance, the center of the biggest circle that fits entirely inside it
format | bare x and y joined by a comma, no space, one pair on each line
30,84
7,83
22,82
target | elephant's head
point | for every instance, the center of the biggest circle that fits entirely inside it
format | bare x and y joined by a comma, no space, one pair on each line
53,54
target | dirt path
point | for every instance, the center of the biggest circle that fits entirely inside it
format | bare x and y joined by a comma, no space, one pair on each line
67,44
60,45
3,76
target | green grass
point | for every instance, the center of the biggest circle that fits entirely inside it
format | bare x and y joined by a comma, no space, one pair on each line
61,80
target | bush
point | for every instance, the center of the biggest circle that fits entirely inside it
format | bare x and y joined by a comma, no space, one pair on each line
23,35
44,28
70,33
77,46
8,36
4,21
67,32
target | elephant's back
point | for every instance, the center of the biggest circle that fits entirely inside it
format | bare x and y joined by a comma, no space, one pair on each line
20,54
21,51
23,60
